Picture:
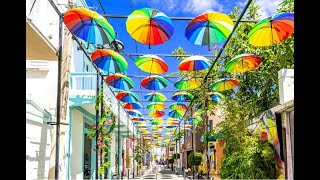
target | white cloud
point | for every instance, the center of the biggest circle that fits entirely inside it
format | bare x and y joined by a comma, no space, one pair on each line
194,7
268,7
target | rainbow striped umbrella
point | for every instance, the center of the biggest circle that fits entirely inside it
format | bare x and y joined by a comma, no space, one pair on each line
172,121
140,123
133,105
109,61
156,123
176,114
178,106
194,63
195,119
216,97
127,96
135,118
134,112
170,127
272,30
243,63
156,106
187,84
156,114
182,96
209,28
154,82
155,97
151,64
120,81
89,26
224,84
186,127
149,26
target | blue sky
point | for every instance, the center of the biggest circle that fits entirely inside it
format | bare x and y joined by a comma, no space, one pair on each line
182,8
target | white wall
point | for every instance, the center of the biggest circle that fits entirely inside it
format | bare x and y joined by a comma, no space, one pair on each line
42,85
76,147
286,85
38,143
45,18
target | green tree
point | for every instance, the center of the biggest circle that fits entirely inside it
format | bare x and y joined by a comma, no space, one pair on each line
245,156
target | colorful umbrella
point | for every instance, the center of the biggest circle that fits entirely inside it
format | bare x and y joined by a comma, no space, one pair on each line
140,123
216,97
120,81
149,26
182,96
243,63
187,84
134,118
156,106
89,26
127,96
133,105
154,82
109,61
156,114
209,28
151,64
156,123
170,126
176,114
196,120
194,63
186,127
272,30
178,106
134,112
172,121
155,97
224,84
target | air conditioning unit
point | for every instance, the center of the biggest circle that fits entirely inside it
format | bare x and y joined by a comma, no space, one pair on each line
37,65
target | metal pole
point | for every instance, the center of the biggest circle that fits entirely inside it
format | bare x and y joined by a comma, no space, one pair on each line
127,143
118,140
171,17
192,143
101,108
133,152
179,146
97,132
56,170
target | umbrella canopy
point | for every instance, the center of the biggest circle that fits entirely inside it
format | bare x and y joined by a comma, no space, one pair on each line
186,126
209,28
243,63
272,30
216,97
133,105
156,114
89,26
187,84
156,123
127,96
151,64
178,106
134,112
155,97
224,84
176,114
195,119
120,81
170,127
109,61
140,123
154,82
156,106
194,63
135,118
149,26
182,96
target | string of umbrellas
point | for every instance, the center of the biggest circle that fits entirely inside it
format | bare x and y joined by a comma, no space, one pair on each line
152,27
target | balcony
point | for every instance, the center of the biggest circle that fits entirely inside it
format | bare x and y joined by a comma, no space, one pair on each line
82,92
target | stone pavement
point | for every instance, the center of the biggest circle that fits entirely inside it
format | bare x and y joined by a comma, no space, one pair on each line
158,172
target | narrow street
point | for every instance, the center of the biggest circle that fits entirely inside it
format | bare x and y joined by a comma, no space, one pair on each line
159,172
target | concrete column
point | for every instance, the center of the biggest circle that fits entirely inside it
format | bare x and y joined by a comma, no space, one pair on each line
286,85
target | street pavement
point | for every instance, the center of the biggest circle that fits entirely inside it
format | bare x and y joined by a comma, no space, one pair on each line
159,172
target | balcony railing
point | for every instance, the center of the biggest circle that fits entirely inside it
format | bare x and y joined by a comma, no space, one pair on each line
85,83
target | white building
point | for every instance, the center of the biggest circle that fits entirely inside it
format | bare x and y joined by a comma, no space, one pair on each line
42,24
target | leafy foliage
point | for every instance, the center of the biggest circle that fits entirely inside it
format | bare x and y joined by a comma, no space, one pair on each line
104,129
195,158
246,157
